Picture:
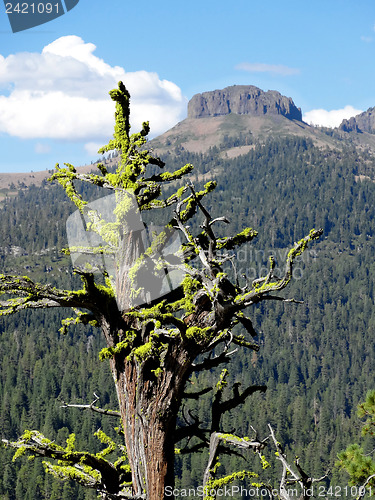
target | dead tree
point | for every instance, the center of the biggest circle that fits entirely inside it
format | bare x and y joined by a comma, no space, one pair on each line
153,334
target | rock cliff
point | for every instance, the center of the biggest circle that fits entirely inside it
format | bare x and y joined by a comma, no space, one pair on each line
242,100
365,122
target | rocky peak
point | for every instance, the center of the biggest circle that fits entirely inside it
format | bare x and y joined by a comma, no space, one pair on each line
364,122
242,100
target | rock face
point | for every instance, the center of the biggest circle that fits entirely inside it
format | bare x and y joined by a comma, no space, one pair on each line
365,122
242,100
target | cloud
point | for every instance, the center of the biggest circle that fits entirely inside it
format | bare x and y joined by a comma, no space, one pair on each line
62,93
367,39
276,69
333,118
42,149
93,147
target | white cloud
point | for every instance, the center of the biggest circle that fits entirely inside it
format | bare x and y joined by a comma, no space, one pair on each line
333,118
276,69
367,39
42,149
62,93
93,147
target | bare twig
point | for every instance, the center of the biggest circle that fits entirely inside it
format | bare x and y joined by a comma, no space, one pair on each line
362,489
102,411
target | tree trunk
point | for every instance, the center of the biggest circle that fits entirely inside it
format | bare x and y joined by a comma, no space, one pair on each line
149,397
149,405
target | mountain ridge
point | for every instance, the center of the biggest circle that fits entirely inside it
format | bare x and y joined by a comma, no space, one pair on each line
219,115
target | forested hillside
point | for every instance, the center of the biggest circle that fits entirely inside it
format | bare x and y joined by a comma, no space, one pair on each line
316,358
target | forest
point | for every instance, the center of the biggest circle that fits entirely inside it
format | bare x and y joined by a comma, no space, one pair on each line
316,358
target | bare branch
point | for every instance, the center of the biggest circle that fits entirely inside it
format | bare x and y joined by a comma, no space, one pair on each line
282,299
210,363
217,437
290,474
70,174
32,295
102,411
362,489
219,408
110,479
196,395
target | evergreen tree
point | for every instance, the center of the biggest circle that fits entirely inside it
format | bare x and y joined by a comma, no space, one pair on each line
357,461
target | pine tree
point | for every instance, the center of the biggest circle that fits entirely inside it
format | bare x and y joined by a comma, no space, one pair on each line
359,464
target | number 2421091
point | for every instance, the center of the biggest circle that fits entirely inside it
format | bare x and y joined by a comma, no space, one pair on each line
32,8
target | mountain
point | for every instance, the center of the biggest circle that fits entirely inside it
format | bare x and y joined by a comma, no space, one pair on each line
359,130
364,122
237,115
242,100
11,183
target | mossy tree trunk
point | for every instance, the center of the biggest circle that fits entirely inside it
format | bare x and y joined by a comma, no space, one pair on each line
150,397
149,401
149,408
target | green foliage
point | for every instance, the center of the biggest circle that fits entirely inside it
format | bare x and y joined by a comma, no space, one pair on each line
367,410
243,237
222,382
124,345
42,368
87,469
360,465
215,485
104,439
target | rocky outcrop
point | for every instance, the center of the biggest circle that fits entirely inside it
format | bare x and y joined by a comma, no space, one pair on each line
364,122
242,100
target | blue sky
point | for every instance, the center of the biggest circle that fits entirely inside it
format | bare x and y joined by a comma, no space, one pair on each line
54,79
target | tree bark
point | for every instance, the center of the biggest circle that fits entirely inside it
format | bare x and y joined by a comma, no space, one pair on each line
149,407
